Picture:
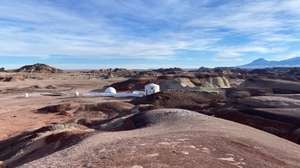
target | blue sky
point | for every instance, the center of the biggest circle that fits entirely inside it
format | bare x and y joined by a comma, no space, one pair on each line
76,34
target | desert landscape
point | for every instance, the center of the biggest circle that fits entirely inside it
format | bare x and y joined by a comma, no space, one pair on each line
220,117
150,83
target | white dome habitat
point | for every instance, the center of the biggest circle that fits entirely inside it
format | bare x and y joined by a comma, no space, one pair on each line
110,90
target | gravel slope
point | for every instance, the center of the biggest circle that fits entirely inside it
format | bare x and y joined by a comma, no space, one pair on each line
178,138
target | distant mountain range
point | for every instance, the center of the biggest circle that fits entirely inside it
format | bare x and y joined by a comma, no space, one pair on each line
262,63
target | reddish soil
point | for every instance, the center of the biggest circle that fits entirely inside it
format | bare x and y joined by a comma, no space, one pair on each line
18,113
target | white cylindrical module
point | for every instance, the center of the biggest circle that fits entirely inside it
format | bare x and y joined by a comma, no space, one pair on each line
151,89
27,95
77,94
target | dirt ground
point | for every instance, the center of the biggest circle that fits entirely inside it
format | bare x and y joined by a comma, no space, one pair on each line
18,113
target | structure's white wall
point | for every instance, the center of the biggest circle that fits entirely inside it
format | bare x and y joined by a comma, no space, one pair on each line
152,89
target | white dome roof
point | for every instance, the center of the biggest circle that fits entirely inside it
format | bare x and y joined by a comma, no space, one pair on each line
110,90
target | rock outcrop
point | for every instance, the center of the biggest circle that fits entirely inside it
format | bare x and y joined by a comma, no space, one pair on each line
278,86
193,100
117,72
133,84
38,143
5,77
165,71
271,105
215,82
269,102
38,68
187,82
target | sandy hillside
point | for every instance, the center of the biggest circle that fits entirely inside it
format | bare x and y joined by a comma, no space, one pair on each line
178,138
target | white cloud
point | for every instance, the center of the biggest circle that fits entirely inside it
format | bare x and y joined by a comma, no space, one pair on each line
238,52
